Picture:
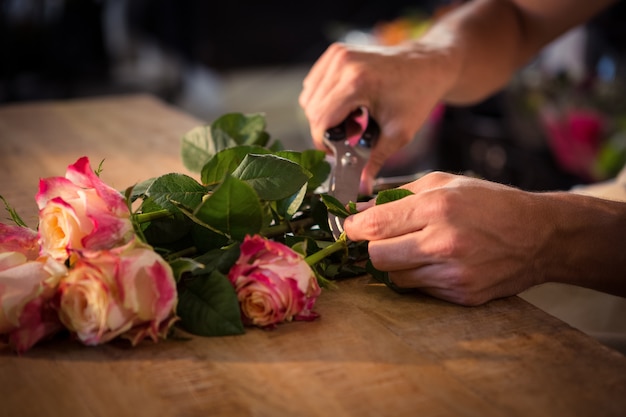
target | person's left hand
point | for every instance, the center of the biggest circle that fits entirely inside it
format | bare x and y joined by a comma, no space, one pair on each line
457,238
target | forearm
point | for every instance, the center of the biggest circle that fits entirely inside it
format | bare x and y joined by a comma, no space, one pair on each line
486,41
586,243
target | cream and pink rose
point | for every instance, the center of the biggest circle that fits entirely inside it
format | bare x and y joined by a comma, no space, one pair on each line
27,288
79,211
127,291
274,284
19,239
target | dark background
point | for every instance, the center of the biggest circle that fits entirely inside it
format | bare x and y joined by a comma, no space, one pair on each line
56,49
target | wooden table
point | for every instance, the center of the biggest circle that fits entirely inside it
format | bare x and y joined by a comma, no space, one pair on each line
372,352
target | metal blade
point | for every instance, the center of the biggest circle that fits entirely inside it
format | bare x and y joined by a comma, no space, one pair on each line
351,154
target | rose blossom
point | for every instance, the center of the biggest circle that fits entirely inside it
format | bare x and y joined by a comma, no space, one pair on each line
19,239
273,283
128,291
27,285
79,211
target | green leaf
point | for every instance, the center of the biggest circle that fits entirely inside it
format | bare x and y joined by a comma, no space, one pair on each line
272,177
388,196
313,161
164,230
243,129
276,146
233,208
139,190
289,206
14,216
221,259
205,239
226,161
175,187
182,265
208,306
199,145
334,206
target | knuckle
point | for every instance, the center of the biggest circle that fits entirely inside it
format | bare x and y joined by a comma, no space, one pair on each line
466,290
372,225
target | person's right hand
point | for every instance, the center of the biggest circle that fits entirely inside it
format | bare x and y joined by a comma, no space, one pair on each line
398,85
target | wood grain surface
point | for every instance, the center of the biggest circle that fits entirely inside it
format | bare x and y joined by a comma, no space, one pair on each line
372,353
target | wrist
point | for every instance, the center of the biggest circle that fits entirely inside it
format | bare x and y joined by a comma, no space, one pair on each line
444,56
586,243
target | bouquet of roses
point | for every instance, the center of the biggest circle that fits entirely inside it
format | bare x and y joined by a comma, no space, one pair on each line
248,244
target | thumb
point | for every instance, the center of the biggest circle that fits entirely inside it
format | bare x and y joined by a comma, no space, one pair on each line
371,169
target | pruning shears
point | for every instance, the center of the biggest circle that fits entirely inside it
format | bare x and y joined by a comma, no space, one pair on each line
350,143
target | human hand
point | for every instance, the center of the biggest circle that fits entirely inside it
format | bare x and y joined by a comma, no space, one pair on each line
457,238
399,86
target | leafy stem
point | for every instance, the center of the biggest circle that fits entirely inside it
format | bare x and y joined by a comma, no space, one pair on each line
286,227
339,244
153,215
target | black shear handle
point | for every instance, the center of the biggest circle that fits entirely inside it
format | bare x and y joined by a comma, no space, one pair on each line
341,132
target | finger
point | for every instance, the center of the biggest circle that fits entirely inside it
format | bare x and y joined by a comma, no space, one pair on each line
371,169
324,79
427,277
386,145
329,110
316,74
364,205
388,220
430,181
399,253
366,185
444,281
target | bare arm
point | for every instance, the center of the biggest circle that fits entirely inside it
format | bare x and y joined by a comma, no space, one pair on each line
488,40
468,54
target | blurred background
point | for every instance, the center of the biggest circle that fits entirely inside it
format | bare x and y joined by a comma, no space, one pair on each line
560,123
210,58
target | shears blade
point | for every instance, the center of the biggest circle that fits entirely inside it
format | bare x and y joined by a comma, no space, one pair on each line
350,143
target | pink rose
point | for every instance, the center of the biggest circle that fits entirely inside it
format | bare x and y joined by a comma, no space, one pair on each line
27,286
79,211
273,283
19,239
128,291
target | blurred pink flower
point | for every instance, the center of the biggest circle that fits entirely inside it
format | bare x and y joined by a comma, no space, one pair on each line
19,239
575,137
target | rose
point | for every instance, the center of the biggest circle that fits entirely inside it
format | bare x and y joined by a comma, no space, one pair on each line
79,211
27,286
273,283
127,291
19,239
